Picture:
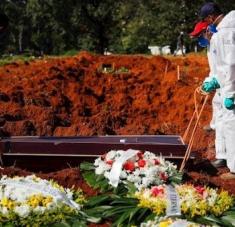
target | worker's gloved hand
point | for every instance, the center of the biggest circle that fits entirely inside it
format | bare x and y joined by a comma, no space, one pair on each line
210,85
229,103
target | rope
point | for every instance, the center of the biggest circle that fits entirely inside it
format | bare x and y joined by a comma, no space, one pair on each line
198,115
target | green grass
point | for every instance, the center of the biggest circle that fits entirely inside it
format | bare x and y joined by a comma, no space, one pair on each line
7,59
15,58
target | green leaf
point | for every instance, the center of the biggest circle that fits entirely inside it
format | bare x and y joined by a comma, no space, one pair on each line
62,224
176,179
131,188
116,211
94,201
124,200
229,212
97,211
9,225
149,216
87,166
209,220
133,213
229,219
124,217
144,212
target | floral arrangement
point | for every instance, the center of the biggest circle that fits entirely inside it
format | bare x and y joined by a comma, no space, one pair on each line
170,222
194,201
31,201
198,206
142,169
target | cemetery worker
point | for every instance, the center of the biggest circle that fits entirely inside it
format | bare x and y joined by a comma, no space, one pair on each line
222,48
205,37
180,44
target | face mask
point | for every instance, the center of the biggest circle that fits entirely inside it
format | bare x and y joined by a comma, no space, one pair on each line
212,28
203,42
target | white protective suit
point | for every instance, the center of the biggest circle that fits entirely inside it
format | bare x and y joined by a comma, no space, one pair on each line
223,56
217,106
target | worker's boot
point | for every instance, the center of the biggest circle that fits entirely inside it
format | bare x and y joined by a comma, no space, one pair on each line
219,163
228,176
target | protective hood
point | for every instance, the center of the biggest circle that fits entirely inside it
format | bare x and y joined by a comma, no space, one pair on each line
228,21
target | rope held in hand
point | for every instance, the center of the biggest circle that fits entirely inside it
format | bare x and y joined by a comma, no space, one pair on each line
196,113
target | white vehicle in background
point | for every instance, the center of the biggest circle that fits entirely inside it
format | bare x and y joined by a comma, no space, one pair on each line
166,50
157,50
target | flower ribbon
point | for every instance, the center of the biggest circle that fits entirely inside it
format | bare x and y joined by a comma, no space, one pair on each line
173,202
114,175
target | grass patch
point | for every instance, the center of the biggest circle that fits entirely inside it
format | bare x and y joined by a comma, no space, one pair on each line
8,59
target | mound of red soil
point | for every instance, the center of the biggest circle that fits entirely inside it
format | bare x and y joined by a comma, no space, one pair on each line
105,95
101,95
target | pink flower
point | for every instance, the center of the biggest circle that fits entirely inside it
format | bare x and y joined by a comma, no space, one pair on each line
156,191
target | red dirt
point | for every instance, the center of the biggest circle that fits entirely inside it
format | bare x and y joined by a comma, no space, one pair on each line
73,96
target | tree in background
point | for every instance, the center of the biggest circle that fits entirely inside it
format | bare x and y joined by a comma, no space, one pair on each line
56,26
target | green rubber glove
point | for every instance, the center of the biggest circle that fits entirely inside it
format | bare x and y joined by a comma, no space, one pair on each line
229,103
209,86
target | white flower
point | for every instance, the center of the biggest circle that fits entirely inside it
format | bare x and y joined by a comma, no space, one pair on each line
4,211
98,161
134,179
146,181
123,175
39,209
23,210
142,176
107,175
52,205
110,155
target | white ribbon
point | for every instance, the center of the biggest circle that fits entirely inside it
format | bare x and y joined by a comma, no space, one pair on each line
173,205
48,190
114,175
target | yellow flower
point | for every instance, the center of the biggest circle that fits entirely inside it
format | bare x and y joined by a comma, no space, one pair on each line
39,200
165,223
7,203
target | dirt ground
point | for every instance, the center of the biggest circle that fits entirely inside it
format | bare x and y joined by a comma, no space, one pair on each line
108,95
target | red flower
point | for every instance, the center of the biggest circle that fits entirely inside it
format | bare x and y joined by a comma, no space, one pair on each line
156,162
140,154
200,189
141,163
155,191
129,165
163,176
109,162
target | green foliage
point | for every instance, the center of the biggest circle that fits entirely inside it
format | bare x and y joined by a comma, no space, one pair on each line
100,182
123,210
57,26
16,58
